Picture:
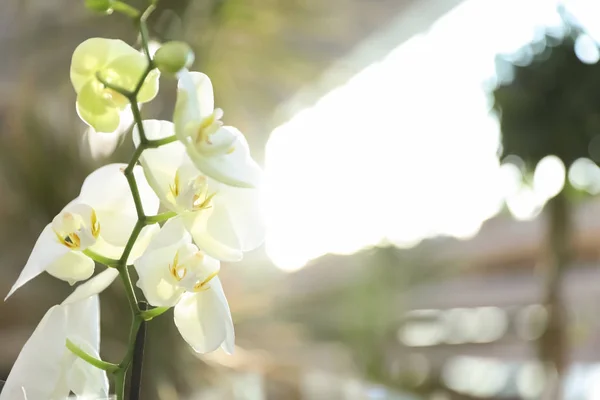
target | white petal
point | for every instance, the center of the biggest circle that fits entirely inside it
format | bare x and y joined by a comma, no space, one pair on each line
93,286
199,90
36,369
236,168
115,208
152,267
155,279
72,267
108,250
204,319
46,250
83,329
172,232
161,164
222,243
83,321
244,208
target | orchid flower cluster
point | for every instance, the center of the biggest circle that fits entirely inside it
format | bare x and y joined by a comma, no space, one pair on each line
195,170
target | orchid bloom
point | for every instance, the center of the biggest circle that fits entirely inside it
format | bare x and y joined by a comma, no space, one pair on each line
220,152
224,221
46,370
100,220
173,272
118,64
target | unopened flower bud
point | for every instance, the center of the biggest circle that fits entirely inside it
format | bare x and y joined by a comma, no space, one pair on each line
102,6
172,57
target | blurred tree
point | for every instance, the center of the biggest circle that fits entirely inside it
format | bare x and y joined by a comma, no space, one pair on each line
548,103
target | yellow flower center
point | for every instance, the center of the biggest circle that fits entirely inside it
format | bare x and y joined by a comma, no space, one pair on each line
77,229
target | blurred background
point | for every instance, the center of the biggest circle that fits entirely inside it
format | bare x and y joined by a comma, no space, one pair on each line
432,172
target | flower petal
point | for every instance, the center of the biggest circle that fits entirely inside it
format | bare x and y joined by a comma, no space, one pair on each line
95,110
236,168
35,369
245,214
72,267
204,319
221,243
93,286
83,329
115,208
46,250
153,267
160,164
92,55
195,99
108,250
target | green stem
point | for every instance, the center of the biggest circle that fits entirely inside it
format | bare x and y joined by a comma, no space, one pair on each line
135,325
131,297
161,142
109,262
125,9
119,378
153,313
144,30
151,219
106,366
116,88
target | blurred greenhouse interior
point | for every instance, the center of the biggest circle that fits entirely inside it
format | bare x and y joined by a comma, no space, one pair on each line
433,226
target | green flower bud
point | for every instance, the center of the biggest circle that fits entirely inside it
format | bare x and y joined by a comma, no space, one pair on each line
102,6
172,57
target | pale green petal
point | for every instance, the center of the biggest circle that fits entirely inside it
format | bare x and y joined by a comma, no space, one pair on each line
204,319
88,57
125,71
46,250
106,122
72,267
235,169
150,87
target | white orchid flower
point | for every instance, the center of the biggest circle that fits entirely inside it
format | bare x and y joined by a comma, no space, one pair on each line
46,370
100,219
224,221
173,272
220,152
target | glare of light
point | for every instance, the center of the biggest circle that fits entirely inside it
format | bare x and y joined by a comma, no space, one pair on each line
584,174
593,384
422,328
586,49
531,379
531,321
406,149
492,324
549,177
421,333
524,204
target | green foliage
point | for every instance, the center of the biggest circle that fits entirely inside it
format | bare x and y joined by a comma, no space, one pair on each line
551,106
